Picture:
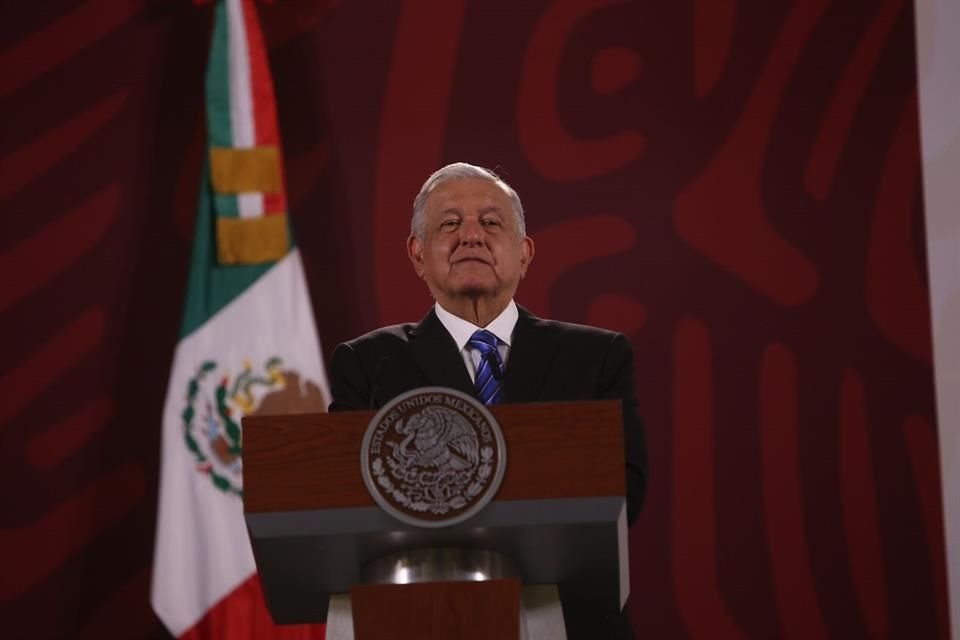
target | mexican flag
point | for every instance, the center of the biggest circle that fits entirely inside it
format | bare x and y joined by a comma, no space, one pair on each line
248,345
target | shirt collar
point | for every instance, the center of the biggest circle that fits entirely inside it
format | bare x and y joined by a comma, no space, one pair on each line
461,330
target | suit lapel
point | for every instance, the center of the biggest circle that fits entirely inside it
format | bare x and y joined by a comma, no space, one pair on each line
436,354
532,351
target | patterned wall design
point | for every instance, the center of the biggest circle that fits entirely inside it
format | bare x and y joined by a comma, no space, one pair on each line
735,184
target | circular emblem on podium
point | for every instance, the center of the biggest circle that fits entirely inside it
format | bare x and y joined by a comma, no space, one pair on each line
433,457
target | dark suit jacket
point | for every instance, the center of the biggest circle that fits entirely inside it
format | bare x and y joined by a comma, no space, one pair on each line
548,361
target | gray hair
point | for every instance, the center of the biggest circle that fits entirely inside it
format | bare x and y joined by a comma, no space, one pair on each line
456,171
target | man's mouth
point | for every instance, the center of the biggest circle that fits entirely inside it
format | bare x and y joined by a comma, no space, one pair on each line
471,259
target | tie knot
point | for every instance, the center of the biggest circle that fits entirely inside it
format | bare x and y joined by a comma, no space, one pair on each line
484,341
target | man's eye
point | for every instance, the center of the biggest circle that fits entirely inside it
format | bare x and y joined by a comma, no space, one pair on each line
491,222
449,224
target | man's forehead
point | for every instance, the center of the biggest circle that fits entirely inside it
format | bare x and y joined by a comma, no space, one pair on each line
447,195
453,209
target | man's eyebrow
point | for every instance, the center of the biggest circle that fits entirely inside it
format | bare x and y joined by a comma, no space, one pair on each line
491,209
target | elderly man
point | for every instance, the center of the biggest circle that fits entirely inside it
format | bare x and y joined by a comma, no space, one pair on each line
468,242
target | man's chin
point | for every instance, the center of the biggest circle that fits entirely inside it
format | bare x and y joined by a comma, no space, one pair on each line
479,288
475,291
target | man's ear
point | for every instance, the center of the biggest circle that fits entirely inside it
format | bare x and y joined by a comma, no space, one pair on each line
415,253
527,250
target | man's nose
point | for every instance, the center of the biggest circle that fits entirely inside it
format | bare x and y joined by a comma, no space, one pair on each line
471,232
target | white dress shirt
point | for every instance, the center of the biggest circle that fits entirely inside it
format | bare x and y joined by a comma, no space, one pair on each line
461,330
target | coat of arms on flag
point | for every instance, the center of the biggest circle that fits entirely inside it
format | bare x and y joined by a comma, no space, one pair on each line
216,402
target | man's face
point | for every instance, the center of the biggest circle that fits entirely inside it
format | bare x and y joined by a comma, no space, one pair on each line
471,246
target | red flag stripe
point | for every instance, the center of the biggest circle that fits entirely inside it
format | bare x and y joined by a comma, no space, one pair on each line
243,615
264,103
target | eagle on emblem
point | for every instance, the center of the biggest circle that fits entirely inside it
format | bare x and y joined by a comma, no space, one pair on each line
437,438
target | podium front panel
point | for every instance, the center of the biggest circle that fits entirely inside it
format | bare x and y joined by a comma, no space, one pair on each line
560,514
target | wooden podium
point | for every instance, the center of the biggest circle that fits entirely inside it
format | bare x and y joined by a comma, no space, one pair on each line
560,516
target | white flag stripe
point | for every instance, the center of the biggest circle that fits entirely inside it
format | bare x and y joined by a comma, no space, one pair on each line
241,94
202,549
250,204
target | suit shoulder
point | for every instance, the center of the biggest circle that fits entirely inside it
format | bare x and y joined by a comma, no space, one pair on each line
581,331
378,338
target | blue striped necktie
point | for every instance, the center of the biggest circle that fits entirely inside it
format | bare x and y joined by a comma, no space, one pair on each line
490,370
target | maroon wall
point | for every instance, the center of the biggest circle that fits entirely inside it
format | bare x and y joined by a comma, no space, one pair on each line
733,183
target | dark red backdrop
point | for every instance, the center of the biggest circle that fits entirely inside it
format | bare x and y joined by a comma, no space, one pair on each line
733,183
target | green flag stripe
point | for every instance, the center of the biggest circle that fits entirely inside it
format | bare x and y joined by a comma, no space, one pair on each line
219,131
210,286
226,205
